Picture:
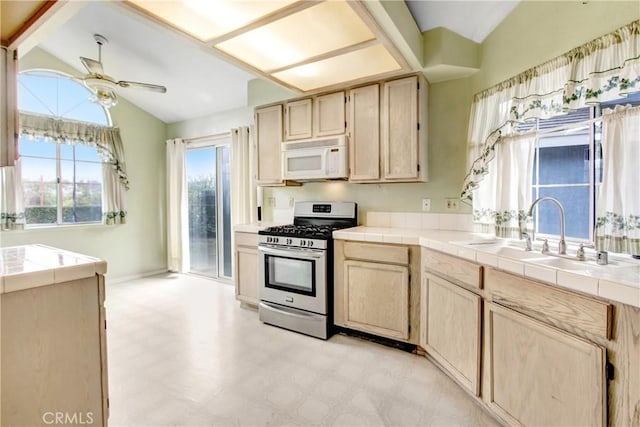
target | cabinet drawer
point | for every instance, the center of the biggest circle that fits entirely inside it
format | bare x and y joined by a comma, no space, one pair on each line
377,253
246,239
452,268
551,305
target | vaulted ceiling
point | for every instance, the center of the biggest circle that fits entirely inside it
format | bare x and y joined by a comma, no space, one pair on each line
199,81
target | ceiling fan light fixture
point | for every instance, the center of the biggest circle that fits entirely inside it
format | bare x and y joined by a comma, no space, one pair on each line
106,98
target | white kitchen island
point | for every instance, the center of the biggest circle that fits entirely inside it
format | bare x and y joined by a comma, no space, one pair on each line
53,367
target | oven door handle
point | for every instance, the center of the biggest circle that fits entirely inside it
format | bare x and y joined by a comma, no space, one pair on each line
302,253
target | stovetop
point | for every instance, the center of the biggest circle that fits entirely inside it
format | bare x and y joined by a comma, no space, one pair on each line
321,232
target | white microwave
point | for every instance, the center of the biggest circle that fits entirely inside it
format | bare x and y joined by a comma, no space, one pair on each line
315,159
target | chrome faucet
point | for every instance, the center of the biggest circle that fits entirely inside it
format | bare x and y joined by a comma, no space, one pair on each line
562,245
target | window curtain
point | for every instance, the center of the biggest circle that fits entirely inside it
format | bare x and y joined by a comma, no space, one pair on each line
11,202
604,69
8,106
501,203
618,202
244,188
177,214
107,141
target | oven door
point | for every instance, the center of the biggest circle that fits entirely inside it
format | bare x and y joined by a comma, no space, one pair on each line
294,277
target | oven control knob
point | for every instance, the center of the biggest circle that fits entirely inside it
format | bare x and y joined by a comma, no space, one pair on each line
268,239
303,243
310,242
289,241
275,240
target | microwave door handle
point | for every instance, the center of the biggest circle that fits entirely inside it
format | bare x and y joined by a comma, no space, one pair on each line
304,253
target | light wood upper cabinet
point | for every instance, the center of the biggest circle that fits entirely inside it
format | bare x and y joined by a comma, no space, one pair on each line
451,319
329,114
541,375
364,134
376,298
268,145
401,148
247,286
298,119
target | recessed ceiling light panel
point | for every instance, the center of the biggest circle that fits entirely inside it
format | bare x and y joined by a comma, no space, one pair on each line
318,30
207,19
359,64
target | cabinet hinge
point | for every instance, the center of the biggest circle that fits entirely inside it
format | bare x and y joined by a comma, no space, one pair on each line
418,85
418,167
610,371
409,329
418,126
345,99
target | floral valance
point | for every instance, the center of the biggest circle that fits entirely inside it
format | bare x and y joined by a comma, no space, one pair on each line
63,131
604,69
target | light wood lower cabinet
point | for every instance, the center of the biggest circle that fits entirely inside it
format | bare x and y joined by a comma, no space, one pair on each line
452,323
541,375
376,298
377,289
247,286
53,355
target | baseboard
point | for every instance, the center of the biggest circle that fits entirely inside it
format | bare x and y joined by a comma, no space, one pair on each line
121,279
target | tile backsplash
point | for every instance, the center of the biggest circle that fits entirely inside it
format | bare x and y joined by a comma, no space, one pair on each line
425,221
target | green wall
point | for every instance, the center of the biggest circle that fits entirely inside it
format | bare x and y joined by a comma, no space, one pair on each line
137,247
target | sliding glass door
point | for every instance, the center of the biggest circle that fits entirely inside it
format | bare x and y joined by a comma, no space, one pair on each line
209,201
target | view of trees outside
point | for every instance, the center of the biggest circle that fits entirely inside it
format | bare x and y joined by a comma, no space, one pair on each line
78,194
201,201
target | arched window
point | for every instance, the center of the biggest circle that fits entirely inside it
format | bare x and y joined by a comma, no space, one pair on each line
62,181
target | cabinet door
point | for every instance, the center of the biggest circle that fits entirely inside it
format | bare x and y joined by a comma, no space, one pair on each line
297,120
328,114
364,134
400,155
541,375
376,298
268,145
453,330
247,286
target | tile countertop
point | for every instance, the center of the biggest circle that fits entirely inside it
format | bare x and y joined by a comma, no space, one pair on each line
620,281
30,266
254,227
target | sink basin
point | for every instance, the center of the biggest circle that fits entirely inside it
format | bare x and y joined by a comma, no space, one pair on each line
570,264
510,252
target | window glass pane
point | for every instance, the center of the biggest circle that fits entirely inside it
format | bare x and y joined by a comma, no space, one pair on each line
78,194
86,153
66,151
81,191
39,188
564,160
575,200
37,148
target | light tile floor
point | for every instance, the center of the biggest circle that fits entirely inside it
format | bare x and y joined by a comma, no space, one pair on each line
183,352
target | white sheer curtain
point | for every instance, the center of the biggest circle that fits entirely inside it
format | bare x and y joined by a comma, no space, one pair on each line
618,203
605,68
11,200
177,213
243,184
8,102
500,204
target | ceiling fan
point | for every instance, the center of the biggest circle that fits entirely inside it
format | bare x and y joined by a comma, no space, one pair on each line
103,86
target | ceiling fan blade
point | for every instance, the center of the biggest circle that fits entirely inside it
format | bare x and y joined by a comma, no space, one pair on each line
147,86
92,66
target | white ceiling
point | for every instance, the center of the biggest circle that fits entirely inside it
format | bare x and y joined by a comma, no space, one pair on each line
198,82
474,20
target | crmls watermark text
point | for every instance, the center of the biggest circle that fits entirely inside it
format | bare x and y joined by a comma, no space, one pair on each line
65,418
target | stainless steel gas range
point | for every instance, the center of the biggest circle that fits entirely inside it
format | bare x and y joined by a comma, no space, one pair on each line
296,267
